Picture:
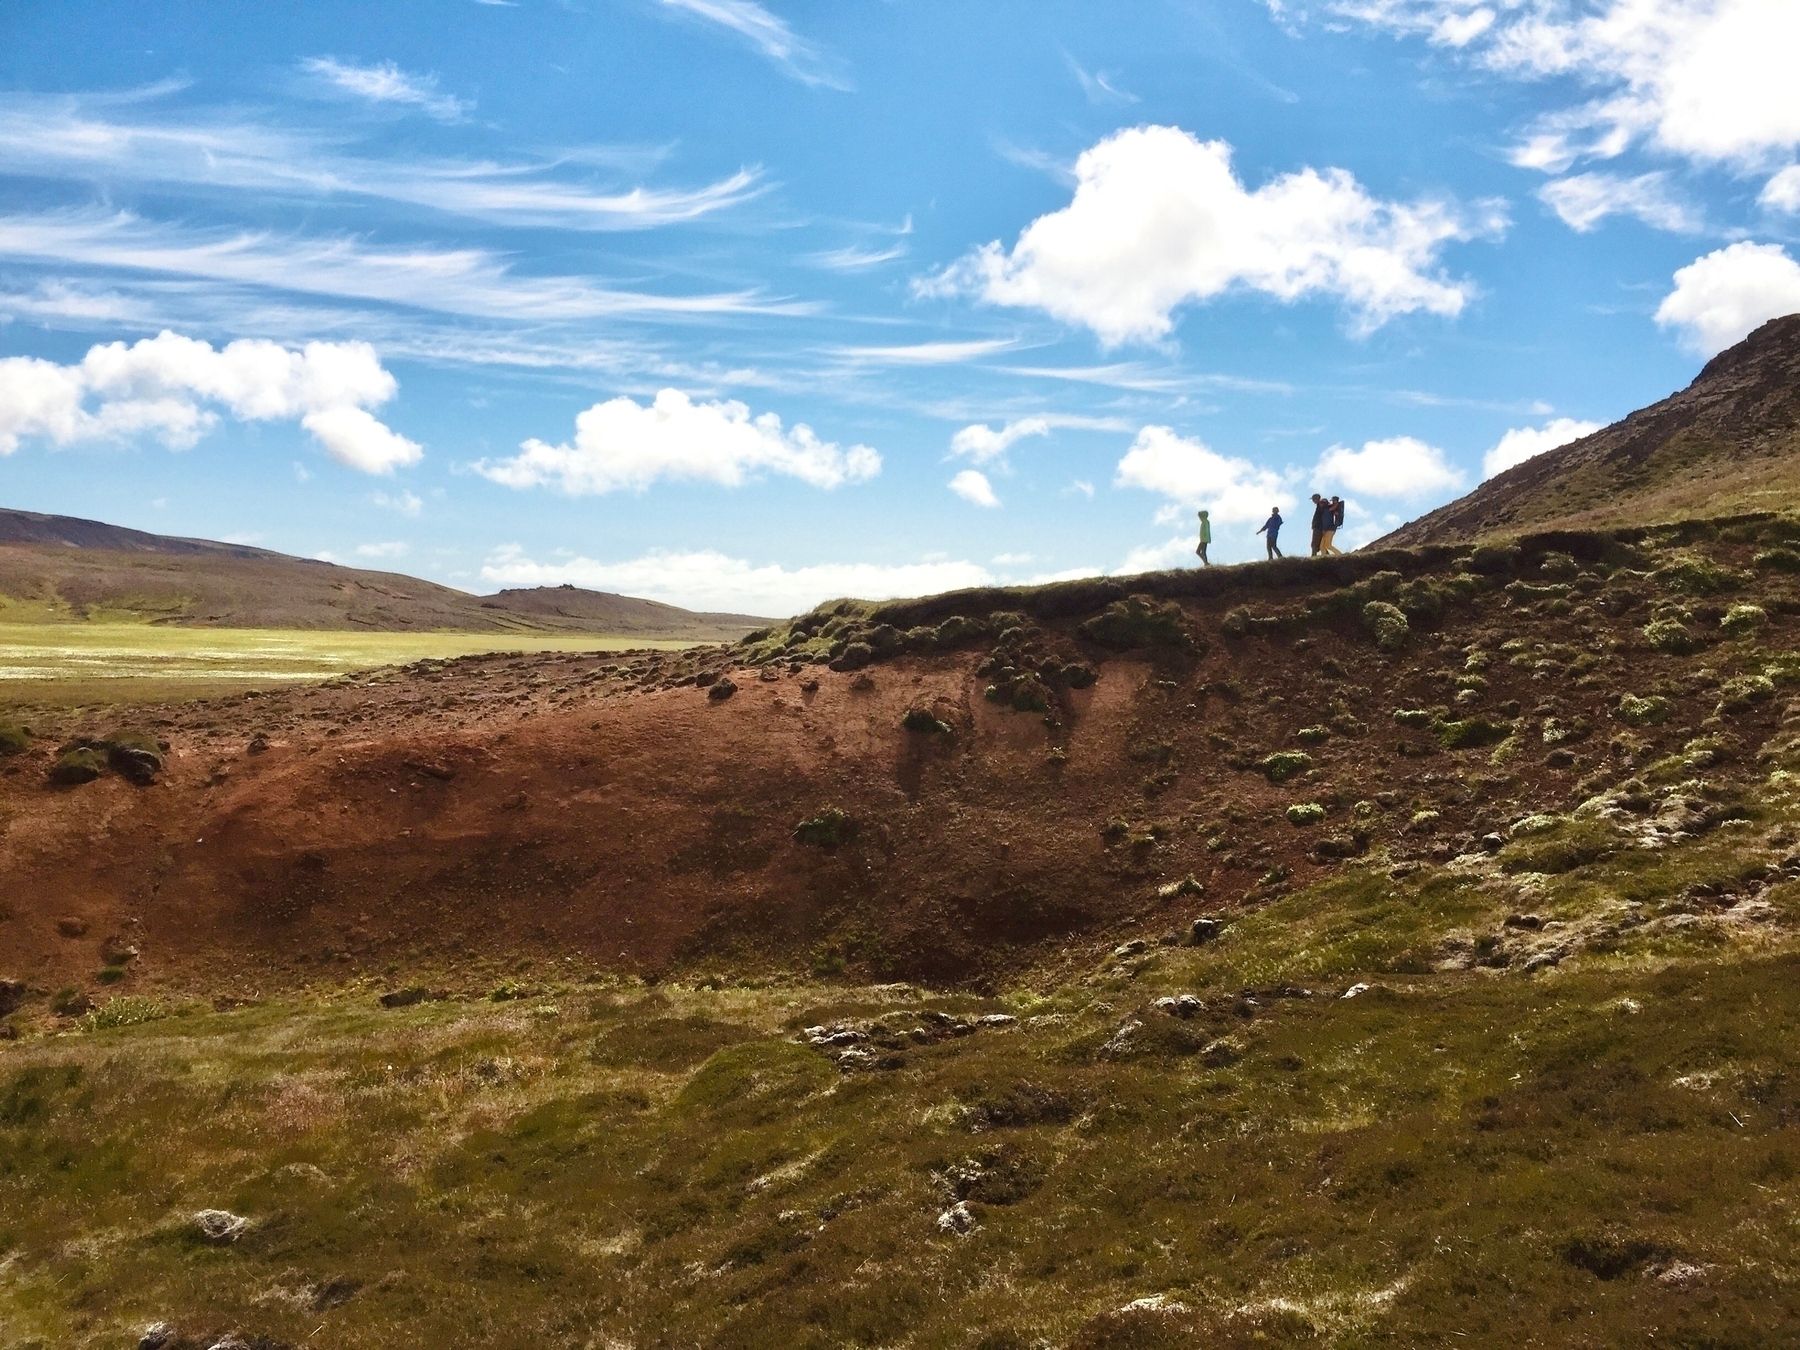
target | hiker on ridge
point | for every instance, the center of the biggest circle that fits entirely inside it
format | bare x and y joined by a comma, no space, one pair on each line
1205,539
1321,522
1336,523
1272,528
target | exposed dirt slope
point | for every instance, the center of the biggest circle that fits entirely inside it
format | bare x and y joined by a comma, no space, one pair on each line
59,565
1090,755
1729,442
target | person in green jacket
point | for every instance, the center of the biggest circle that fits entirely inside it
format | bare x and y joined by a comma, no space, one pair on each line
1205,539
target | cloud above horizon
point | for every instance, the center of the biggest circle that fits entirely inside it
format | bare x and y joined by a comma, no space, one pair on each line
1523,443
1708,81
1159,220
172,389
625,445
1719,298
710,580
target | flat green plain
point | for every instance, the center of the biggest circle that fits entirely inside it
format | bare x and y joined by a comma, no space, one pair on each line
67,664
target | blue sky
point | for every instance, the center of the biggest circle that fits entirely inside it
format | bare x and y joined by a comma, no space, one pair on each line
744,305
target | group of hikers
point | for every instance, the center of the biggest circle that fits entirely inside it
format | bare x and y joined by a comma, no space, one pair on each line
1327,520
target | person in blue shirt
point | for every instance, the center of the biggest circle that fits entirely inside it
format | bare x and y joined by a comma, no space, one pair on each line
1272,528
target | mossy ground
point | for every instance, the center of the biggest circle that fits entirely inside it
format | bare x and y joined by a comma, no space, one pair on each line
1606,1153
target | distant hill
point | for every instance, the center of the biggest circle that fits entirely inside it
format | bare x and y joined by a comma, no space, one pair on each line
1728,443
61,567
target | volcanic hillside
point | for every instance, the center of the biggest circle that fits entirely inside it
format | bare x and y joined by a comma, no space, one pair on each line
1729,442
940,789
59,567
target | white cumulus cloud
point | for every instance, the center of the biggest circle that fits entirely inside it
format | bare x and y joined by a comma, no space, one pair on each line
625,444
390,548
1710,81
1782,192
1400,466
173,389
713,581
984,444
1583,200
1159,219
1522,443
1190,473
972,486
1720,297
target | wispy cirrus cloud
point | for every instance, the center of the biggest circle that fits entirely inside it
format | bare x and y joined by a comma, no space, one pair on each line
468,281
770,35
385,82
78,138
924,353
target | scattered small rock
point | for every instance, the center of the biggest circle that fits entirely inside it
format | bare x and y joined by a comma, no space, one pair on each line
1181,1005
1136,947
1154,1303
404,998
12,994
156,1336
1355,991
959,1218
1205,931
220,1226
259,744
722,689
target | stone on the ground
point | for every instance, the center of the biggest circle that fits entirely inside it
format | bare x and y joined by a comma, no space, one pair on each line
220,1226
959,1218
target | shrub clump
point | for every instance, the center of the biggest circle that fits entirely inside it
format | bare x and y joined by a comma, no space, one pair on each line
1779,559
1414,717
1305,813
124,1012
14,739
1312,735
1472,733
1643,712
1746,691
828,829
1139,621
1670,635
1387,624
1744,618
1285,764
1692,574
855,656
77,765
925,722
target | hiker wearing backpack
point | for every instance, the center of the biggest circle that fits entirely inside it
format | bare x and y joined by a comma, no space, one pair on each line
1321,522
1332,526
1334,517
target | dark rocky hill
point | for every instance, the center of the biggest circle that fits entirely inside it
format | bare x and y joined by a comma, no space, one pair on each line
1728,443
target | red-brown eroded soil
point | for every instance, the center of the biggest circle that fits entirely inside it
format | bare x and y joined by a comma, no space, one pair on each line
504,809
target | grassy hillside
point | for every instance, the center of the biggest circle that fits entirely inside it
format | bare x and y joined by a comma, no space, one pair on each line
1400,949
1727,444
66,665
60,569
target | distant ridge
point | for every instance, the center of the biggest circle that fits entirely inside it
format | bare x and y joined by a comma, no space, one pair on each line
1728,443
66,568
